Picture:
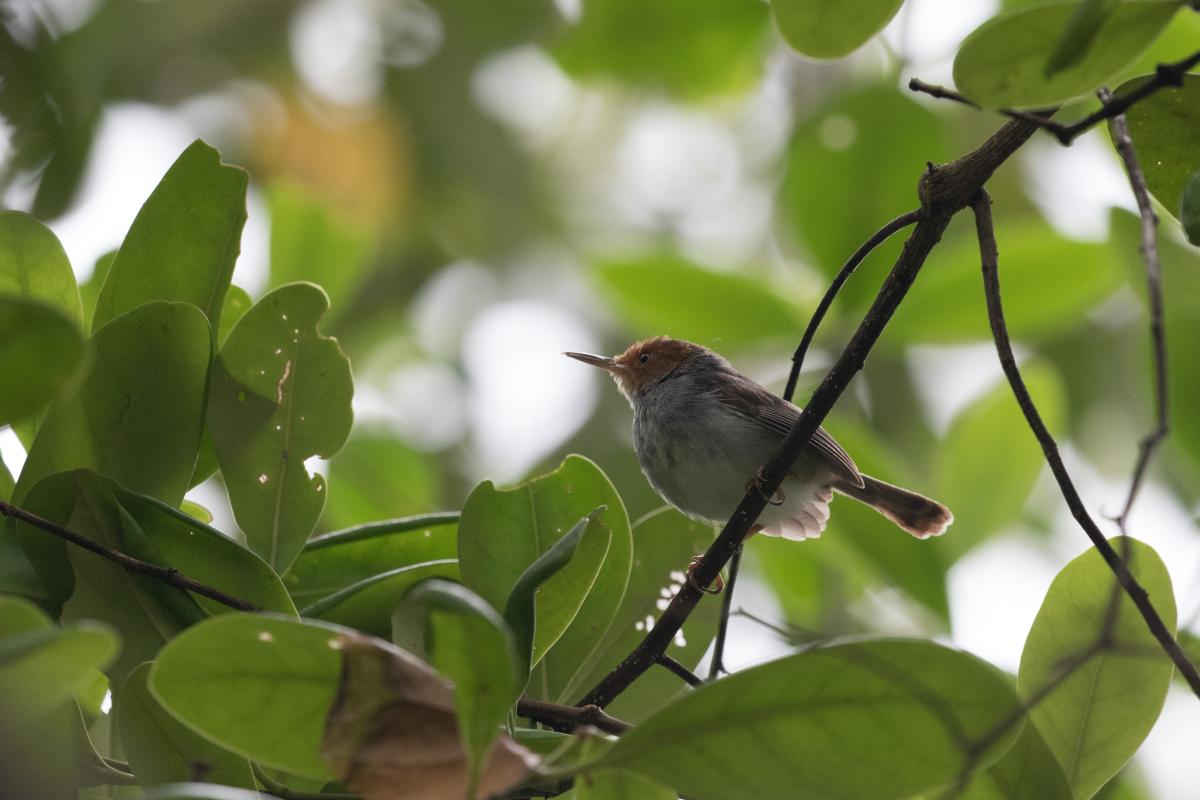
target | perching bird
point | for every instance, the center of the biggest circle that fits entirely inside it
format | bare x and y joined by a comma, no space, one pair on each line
703,431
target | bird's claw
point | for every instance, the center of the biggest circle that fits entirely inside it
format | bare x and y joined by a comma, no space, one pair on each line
691,578
756,484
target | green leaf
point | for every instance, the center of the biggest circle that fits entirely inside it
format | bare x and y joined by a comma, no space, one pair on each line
39,350
664,541
378,476
722,308
136,417
160,748
310,242
501,533
333,561
1189,209
1049,283
831,28
34,265
520,611
1095,718
872,136
42,667
880,719
259,686
237,303
367,605
1028,771
470,644
613,784
1165,128
280,394
987,493
1086,20
184,241
715,45
1003,63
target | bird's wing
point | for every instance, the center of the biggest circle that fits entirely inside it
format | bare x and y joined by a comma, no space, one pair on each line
779,415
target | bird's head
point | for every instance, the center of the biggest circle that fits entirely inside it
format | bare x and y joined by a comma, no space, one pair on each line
643,363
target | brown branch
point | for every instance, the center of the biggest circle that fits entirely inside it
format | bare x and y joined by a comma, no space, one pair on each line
128,562
879,237
568,717
944,191
1154,293
989,257
1164,75
689,677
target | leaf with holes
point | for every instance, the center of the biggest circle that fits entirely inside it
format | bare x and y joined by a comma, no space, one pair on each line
280,394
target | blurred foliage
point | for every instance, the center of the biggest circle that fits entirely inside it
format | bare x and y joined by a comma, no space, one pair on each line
475,187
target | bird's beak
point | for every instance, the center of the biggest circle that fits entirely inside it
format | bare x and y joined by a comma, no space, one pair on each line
603,362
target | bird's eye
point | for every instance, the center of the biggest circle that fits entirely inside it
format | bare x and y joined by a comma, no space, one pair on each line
643,358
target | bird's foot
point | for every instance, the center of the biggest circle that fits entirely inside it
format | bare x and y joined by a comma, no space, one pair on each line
756,483
691,578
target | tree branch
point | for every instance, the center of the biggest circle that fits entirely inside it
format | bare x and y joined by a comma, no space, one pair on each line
944,191
1154,293
689,677
989,257
560,716
1164,75
128,562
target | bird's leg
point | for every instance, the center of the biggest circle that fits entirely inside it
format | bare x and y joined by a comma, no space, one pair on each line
691,578
756,483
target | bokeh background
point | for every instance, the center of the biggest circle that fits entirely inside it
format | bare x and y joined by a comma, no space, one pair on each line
482,185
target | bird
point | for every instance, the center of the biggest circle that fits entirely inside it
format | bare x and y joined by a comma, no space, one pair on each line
703,431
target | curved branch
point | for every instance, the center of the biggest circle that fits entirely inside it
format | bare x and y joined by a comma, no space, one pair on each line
571,716
989,257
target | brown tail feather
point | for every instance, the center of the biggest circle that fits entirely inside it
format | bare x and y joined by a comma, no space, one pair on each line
916,514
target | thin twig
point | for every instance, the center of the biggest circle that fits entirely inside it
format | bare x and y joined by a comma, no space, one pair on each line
944,190
990,262
717,666
1154,293
569,717
128,562
1164,75
879,237
689,677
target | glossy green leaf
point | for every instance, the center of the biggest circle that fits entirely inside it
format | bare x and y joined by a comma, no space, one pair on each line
160,749
1028,771
333,561
1049,283
309,241
1189,209
378,476
873,136
34,265
722,309
1003,63
1165,128
520,611
237,303
1077,38
136,417
471,645
880,719
831,28
989,461
613,784
664,541
503,532
43,666
259,686
367,604
714,44
280,394
184,241
1095,717
39,350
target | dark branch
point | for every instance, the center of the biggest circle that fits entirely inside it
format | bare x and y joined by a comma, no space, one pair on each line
1164,75
879,237
944,191
128,562
1154,293
689,677
718,657
562,717
991,281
